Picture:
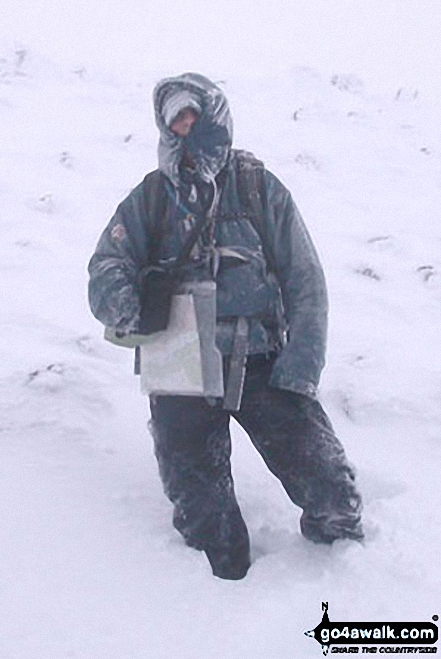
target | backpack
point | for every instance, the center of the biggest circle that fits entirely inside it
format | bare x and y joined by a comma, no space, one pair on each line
252,193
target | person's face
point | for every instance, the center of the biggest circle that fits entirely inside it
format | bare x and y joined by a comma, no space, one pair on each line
183,122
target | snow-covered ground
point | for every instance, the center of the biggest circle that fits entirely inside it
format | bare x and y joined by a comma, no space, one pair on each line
91,567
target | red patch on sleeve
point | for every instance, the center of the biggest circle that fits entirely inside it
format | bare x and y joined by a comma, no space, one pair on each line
118,232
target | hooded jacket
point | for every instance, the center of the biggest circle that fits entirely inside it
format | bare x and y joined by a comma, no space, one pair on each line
297,286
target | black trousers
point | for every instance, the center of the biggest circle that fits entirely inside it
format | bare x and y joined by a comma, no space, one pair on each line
296,440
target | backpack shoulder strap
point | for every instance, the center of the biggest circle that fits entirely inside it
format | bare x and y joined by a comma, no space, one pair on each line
154,205
252,193
155,200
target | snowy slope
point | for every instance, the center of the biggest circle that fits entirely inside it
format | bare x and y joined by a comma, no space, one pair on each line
91,567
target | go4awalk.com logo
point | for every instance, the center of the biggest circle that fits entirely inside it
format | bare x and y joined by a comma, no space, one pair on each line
365,637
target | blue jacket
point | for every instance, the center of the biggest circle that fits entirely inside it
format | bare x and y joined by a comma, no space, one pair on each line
291,300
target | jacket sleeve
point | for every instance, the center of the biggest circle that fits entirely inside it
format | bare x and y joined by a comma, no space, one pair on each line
114,267
304,295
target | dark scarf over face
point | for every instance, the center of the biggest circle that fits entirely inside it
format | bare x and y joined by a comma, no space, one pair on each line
210,139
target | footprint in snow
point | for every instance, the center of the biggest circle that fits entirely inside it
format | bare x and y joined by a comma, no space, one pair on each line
369,272
44,204
382,242
66,160
406,95
307,161
426,272
347,83
48,377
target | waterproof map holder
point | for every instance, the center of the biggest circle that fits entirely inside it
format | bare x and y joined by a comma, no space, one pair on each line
183,359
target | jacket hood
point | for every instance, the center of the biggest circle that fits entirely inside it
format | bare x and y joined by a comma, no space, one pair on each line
211,136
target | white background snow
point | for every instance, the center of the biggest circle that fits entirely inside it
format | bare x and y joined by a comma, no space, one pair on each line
341,99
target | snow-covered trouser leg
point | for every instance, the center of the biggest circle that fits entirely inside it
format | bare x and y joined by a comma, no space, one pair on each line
193,448
295,438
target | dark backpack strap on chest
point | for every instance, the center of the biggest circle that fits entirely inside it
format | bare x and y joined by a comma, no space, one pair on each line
252,192
155,199
155,206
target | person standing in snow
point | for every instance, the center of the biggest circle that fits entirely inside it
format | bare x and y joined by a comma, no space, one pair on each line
278,290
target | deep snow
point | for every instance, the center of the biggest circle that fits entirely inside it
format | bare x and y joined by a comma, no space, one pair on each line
91,567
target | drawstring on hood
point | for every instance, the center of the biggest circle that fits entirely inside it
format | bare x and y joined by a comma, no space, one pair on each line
210,139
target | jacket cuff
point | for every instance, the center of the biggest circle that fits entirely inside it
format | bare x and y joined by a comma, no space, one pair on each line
296,385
